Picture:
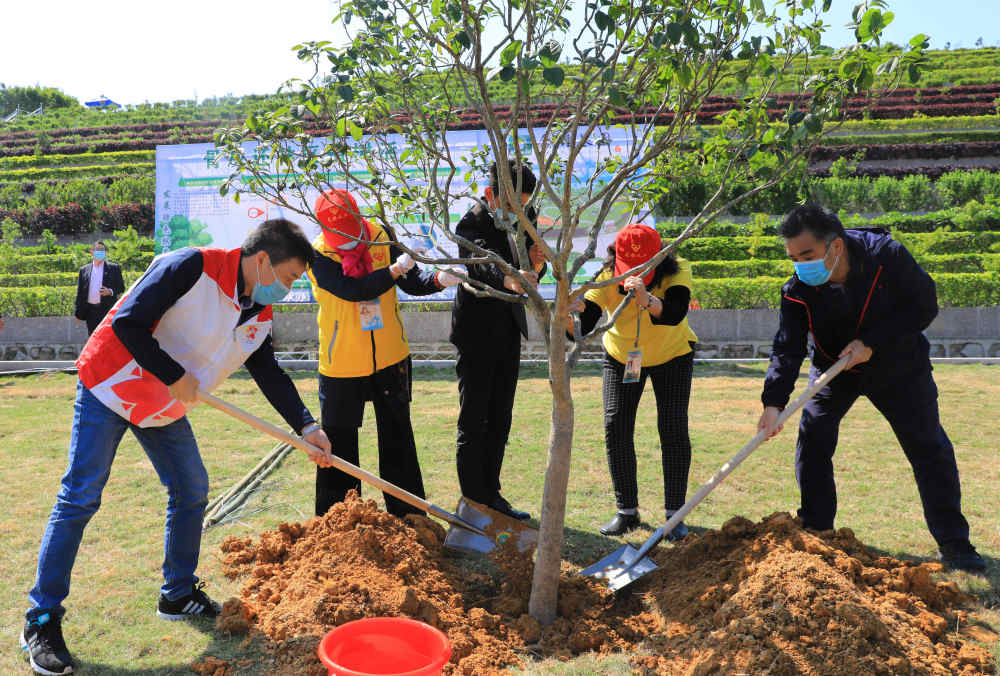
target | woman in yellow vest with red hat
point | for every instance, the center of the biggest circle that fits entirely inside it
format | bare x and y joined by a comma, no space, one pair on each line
650,340
363,351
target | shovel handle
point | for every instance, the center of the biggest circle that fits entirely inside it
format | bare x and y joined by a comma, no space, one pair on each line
734,462
339,463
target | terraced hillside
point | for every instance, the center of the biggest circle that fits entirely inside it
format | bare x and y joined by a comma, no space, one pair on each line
923,162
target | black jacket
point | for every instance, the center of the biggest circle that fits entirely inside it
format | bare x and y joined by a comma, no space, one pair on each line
886,302
475,320
112,279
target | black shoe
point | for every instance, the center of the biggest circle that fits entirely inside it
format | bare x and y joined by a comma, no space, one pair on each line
195,604
961,555
42,640
621,524
501,505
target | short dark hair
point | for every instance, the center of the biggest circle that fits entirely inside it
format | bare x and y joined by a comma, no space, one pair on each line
101,242
281,240
820,221
528,180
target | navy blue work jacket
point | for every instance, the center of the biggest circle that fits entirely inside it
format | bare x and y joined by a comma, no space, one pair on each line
886,302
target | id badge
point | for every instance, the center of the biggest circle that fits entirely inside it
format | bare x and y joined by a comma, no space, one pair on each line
633,365
371,314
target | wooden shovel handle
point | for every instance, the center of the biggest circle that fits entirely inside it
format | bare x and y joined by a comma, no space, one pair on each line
751,446
298,442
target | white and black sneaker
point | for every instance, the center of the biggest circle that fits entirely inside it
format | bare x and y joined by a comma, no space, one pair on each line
195,604
43,642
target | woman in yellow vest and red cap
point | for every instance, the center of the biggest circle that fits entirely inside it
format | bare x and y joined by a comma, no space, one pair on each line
363,351
650,340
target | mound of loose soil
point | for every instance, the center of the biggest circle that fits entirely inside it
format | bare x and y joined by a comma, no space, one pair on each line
755,598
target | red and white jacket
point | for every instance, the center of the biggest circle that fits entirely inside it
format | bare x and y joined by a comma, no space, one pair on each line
200,331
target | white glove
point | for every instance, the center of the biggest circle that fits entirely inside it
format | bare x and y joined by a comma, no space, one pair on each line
445,278
405,263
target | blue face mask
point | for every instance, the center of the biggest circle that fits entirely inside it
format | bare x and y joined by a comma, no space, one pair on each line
100,255
272,293
814,272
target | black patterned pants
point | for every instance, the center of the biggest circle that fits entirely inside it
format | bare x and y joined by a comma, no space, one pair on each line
672,388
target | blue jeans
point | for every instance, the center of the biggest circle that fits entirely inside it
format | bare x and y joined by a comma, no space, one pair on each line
97,431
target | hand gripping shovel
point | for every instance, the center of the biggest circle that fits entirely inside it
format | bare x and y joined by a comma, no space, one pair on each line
626,565
457,522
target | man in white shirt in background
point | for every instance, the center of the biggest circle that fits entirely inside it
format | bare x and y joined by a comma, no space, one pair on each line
98,287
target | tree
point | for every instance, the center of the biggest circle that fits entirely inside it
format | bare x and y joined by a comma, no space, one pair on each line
410,71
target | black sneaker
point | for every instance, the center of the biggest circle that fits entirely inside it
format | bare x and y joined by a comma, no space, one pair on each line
195,604
501,505
42,640
621,524
961,555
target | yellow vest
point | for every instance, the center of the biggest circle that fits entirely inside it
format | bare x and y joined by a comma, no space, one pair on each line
345,351
659,343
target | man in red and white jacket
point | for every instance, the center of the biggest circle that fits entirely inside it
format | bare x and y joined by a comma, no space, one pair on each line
194,318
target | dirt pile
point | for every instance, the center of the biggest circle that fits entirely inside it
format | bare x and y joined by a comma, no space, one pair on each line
756,598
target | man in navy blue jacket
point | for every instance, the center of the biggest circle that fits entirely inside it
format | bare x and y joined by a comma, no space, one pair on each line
862,293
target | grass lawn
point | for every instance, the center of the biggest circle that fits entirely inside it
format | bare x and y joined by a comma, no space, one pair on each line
111,625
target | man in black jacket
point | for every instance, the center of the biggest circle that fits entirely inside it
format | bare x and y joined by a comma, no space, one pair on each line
97,288
863,294
487,333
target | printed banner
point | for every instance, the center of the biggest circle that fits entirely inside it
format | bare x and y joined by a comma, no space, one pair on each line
190,211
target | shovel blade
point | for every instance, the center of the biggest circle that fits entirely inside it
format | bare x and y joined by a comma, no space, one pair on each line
620,567
501,530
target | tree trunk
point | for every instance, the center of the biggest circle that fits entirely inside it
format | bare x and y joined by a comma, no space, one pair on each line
545,583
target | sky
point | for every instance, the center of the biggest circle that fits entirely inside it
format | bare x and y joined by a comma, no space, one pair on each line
133,51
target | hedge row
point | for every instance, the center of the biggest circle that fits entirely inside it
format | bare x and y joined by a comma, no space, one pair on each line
973,217
953,290
62,173
771,248
751,269
906,151
72,219
79,159
916,192
48,264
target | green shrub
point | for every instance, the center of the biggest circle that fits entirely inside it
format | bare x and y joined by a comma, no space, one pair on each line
8,280
887,193
968,290
38,301
42,263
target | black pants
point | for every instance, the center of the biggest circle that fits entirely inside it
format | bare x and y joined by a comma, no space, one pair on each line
910,405
487,382
672,388
95,313
343,401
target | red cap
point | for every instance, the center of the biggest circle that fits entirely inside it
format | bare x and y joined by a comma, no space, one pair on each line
634,245
336,210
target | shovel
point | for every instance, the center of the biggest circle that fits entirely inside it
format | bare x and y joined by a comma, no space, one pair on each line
480,528
627,564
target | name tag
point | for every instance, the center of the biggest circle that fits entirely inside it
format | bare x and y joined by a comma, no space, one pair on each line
633,366
371,314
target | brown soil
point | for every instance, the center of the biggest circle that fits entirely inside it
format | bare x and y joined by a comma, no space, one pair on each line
767,598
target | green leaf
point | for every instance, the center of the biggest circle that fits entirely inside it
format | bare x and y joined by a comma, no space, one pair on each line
510,52
346,92
341,127
355,130
507,73
796,117
603,21
813,123
554,76
827,4
674,32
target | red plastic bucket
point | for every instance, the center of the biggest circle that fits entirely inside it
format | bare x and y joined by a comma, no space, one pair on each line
384,645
